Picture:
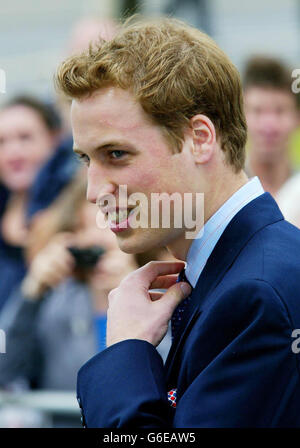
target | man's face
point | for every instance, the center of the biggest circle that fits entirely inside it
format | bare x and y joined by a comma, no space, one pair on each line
271,118
121,146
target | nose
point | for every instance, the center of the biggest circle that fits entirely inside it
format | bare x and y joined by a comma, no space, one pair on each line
98,185
12,148
269,124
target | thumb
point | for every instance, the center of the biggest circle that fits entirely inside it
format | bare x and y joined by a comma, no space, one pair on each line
176,294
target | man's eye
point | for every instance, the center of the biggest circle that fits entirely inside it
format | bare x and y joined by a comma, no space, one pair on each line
117,154
83,158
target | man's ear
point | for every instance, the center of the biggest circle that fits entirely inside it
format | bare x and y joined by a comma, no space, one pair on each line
204,138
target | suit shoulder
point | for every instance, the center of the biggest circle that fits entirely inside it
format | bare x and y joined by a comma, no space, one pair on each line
271,255
249,299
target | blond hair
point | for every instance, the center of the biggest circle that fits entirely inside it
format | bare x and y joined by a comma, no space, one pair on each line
174,71
61,216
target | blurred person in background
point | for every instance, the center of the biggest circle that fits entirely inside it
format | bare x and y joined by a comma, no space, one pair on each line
288,200
272,114
62,166
30,181
29,131
56,320
88,30
84,32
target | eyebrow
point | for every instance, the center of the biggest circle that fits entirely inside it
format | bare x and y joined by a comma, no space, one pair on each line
111,145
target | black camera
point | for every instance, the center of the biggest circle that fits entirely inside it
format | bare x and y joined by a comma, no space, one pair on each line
88,257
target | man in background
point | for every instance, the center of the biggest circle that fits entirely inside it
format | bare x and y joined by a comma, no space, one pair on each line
272,116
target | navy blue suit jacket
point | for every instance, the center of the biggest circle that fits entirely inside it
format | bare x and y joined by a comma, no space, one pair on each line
232,363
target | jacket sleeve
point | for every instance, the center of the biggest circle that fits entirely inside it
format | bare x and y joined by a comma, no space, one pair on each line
124,386
236,366
22,356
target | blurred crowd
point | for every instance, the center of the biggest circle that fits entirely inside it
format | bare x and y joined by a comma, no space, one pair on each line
56,265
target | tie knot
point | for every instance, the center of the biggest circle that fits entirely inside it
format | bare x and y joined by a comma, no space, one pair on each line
182,277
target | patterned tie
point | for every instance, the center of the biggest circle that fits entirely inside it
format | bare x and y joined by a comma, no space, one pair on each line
179,310
172,396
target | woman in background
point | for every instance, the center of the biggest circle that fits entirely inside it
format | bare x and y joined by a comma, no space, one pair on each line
56,320
29,132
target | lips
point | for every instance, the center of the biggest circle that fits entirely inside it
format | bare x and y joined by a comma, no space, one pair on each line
120,221
16,165
117,216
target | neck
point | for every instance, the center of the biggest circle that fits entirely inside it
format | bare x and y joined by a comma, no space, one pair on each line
224,186
19,198
272,174
13,226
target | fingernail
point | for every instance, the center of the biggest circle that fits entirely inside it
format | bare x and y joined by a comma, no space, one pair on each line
185,288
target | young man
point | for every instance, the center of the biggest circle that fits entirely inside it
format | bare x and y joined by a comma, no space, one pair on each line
159,110
272,115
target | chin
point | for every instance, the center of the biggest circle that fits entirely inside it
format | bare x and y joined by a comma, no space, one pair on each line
134,247
17,187
137,245
148,240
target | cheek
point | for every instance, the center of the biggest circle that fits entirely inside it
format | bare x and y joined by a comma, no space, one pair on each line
2,160
37,153
141,182
140,176
288,126
166,178
43,144
149,180
253,124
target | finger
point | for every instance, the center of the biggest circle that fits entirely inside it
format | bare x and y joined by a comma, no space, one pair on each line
56,273
61,267
63,238
175,295
61,257
148,273
164,281
155,295
52,279
69,260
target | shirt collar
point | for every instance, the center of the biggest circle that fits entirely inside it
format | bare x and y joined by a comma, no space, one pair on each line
202,247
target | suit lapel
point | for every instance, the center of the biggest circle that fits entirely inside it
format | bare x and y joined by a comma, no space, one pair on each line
259,213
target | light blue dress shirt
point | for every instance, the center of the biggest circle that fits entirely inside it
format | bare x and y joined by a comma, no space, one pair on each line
202,247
